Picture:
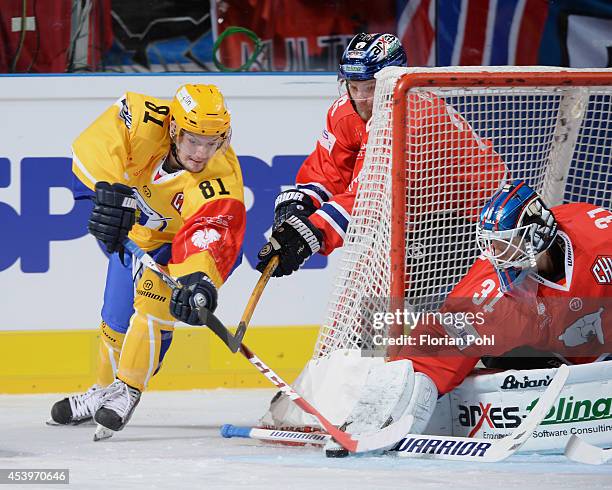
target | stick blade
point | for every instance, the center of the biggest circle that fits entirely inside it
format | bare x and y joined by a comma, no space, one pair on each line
385,438
582,452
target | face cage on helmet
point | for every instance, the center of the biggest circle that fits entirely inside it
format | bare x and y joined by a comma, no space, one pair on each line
519,251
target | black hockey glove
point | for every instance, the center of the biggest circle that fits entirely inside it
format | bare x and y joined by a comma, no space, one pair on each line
113,215
294,241
198,291
292,203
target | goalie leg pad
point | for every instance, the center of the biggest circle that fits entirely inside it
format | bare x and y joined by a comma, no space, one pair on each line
391,391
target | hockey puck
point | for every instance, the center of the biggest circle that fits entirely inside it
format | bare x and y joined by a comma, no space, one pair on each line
336,453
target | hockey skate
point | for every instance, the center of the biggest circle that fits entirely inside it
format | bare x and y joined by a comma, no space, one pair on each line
77,409
116,409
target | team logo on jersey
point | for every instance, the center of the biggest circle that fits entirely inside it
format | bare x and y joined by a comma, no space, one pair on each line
327,140
575,304
583,330
203,238
177,201
602,270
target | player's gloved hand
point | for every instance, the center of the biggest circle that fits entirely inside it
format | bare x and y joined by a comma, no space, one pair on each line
198,291
292,202
113,215
294,241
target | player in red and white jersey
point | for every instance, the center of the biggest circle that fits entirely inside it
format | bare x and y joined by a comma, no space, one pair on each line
315,214
544,280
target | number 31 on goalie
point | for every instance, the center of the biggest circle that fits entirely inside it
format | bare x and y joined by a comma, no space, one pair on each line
488,286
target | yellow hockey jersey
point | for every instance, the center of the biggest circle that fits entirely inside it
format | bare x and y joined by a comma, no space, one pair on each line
202,215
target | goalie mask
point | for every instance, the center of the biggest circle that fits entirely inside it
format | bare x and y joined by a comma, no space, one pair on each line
514,228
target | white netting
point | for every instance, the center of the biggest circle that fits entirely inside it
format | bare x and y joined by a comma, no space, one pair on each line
460,145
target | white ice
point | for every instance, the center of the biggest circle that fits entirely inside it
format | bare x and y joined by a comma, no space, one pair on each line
173,441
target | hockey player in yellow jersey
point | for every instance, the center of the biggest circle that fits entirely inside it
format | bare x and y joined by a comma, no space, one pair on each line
164,174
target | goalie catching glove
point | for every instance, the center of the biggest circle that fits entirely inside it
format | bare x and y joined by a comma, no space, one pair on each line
198,291
113,215
292,203
294,241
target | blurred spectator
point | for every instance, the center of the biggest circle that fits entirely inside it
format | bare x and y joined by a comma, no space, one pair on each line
54,37
297,35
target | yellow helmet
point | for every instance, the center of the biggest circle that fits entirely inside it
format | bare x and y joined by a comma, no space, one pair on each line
201,109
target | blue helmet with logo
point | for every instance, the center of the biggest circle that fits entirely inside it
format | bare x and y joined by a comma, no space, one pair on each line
367,54
514,227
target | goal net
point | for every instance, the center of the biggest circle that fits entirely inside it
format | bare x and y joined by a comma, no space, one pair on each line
441,141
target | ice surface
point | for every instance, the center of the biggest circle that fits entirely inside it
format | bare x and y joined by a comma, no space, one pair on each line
173,441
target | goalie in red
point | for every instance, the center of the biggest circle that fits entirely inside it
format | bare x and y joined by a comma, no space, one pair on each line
544,279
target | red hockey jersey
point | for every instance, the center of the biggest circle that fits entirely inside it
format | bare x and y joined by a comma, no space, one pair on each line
330,175
572,317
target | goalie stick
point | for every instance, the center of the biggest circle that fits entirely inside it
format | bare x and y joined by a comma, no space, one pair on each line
582,452
433,446
483,450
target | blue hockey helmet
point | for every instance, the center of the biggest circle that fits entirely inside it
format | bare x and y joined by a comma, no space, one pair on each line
367,54
514,227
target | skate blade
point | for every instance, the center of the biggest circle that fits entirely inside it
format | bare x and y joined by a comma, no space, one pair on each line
102,433
53,423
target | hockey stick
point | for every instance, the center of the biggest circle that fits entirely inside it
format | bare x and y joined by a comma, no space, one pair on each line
436,447
582,452
256,294
381,439
205,315
470,449
282,436
368,442
432,446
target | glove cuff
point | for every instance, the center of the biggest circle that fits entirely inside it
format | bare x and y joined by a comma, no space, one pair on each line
295,196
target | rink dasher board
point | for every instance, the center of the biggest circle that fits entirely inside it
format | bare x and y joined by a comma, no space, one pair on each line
490,406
